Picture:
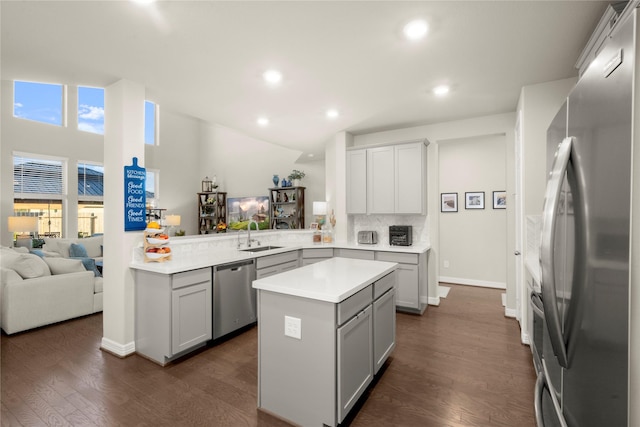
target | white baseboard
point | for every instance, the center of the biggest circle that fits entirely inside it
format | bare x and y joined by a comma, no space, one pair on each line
434,301
117,348
510,312
524,337
469,282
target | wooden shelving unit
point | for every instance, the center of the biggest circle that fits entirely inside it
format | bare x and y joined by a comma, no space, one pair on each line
287,207
212,209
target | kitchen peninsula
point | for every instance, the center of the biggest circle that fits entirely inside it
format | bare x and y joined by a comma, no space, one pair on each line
178,301
324,331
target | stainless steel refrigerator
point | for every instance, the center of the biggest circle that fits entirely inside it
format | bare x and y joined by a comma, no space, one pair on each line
585,247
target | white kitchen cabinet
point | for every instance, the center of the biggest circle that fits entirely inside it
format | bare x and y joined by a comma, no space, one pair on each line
408,292
357,182
354,253
412,279
384,328
389,179
173,313
355,364
313,255
410,178
273,264
191,316
380,180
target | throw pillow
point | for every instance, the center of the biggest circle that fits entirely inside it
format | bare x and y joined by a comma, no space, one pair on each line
77,250
30,266
38,252
90,265
64,265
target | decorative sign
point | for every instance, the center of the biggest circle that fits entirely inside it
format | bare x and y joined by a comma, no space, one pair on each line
135,197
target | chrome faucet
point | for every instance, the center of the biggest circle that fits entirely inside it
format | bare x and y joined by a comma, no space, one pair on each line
252,221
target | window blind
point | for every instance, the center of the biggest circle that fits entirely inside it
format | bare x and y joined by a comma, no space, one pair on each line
33,176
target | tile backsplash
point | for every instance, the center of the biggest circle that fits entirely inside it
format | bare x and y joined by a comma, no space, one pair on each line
380,224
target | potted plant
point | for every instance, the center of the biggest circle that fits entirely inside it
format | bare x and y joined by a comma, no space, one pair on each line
296,176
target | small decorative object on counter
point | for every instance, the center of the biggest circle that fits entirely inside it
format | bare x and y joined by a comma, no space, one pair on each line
327,233
284,182
317,237
276,180
207,185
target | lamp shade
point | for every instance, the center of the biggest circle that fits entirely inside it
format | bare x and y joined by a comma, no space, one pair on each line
23,224
319,208
172,220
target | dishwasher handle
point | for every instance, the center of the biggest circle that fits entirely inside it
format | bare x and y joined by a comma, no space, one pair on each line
236,266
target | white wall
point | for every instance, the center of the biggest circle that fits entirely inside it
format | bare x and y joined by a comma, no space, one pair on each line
244,166
174,157
538,105
473,241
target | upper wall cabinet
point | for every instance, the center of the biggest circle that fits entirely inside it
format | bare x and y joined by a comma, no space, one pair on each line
357,181
390,179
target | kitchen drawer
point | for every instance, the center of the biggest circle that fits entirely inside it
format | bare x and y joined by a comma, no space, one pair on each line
382,285
269,260
355,254
355,303
400,257
276,269
187,278
317,253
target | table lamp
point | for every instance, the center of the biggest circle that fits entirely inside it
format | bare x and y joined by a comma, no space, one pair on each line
320,211
20,225
172,221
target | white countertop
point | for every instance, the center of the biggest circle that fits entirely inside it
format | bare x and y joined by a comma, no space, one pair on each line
332,280
215,256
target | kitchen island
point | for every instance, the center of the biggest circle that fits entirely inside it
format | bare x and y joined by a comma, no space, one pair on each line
324,331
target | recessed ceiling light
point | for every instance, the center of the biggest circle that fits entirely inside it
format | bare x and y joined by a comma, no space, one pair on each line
263,121
143,1
272,76
332,113
441,90
310,155
415,29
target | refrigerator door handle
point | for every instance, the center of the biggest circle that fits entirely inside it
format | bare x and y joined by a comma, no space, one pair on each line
536,305
537,402
541,384
549,294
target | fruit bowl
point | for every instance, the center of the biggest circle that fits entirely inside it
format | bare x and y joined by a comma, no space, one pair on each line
155,255
156,241
154,230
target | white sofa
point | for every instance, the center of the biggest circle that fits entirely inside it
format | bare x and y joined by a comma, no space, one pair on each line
60,247
37,291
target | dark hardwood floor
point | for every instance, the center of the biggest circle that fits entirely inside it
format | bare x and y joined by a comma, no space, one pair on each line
461,364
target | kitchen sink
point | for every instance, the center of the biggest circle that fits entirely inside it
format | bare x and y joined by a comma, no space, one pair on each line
260,248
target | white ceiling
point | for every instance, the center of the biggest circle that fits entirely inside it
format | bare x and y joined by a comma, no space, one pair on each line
206,58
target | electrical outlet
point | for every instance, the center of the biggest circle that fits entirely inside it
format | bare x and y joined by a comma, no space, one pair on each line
445,263
293,327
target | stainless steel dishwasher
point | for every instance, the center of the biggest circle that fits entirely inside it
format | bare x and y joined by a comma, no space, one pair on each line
234,299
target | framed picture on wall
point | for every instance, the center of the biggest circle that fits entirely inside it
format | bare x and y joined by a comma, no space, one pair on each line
499,200
474,200
448,202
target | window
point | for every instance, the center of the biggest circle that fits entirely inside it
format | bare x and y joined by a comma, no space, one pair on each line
39,188
150,123
151,188
41,102
90,199
91,109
